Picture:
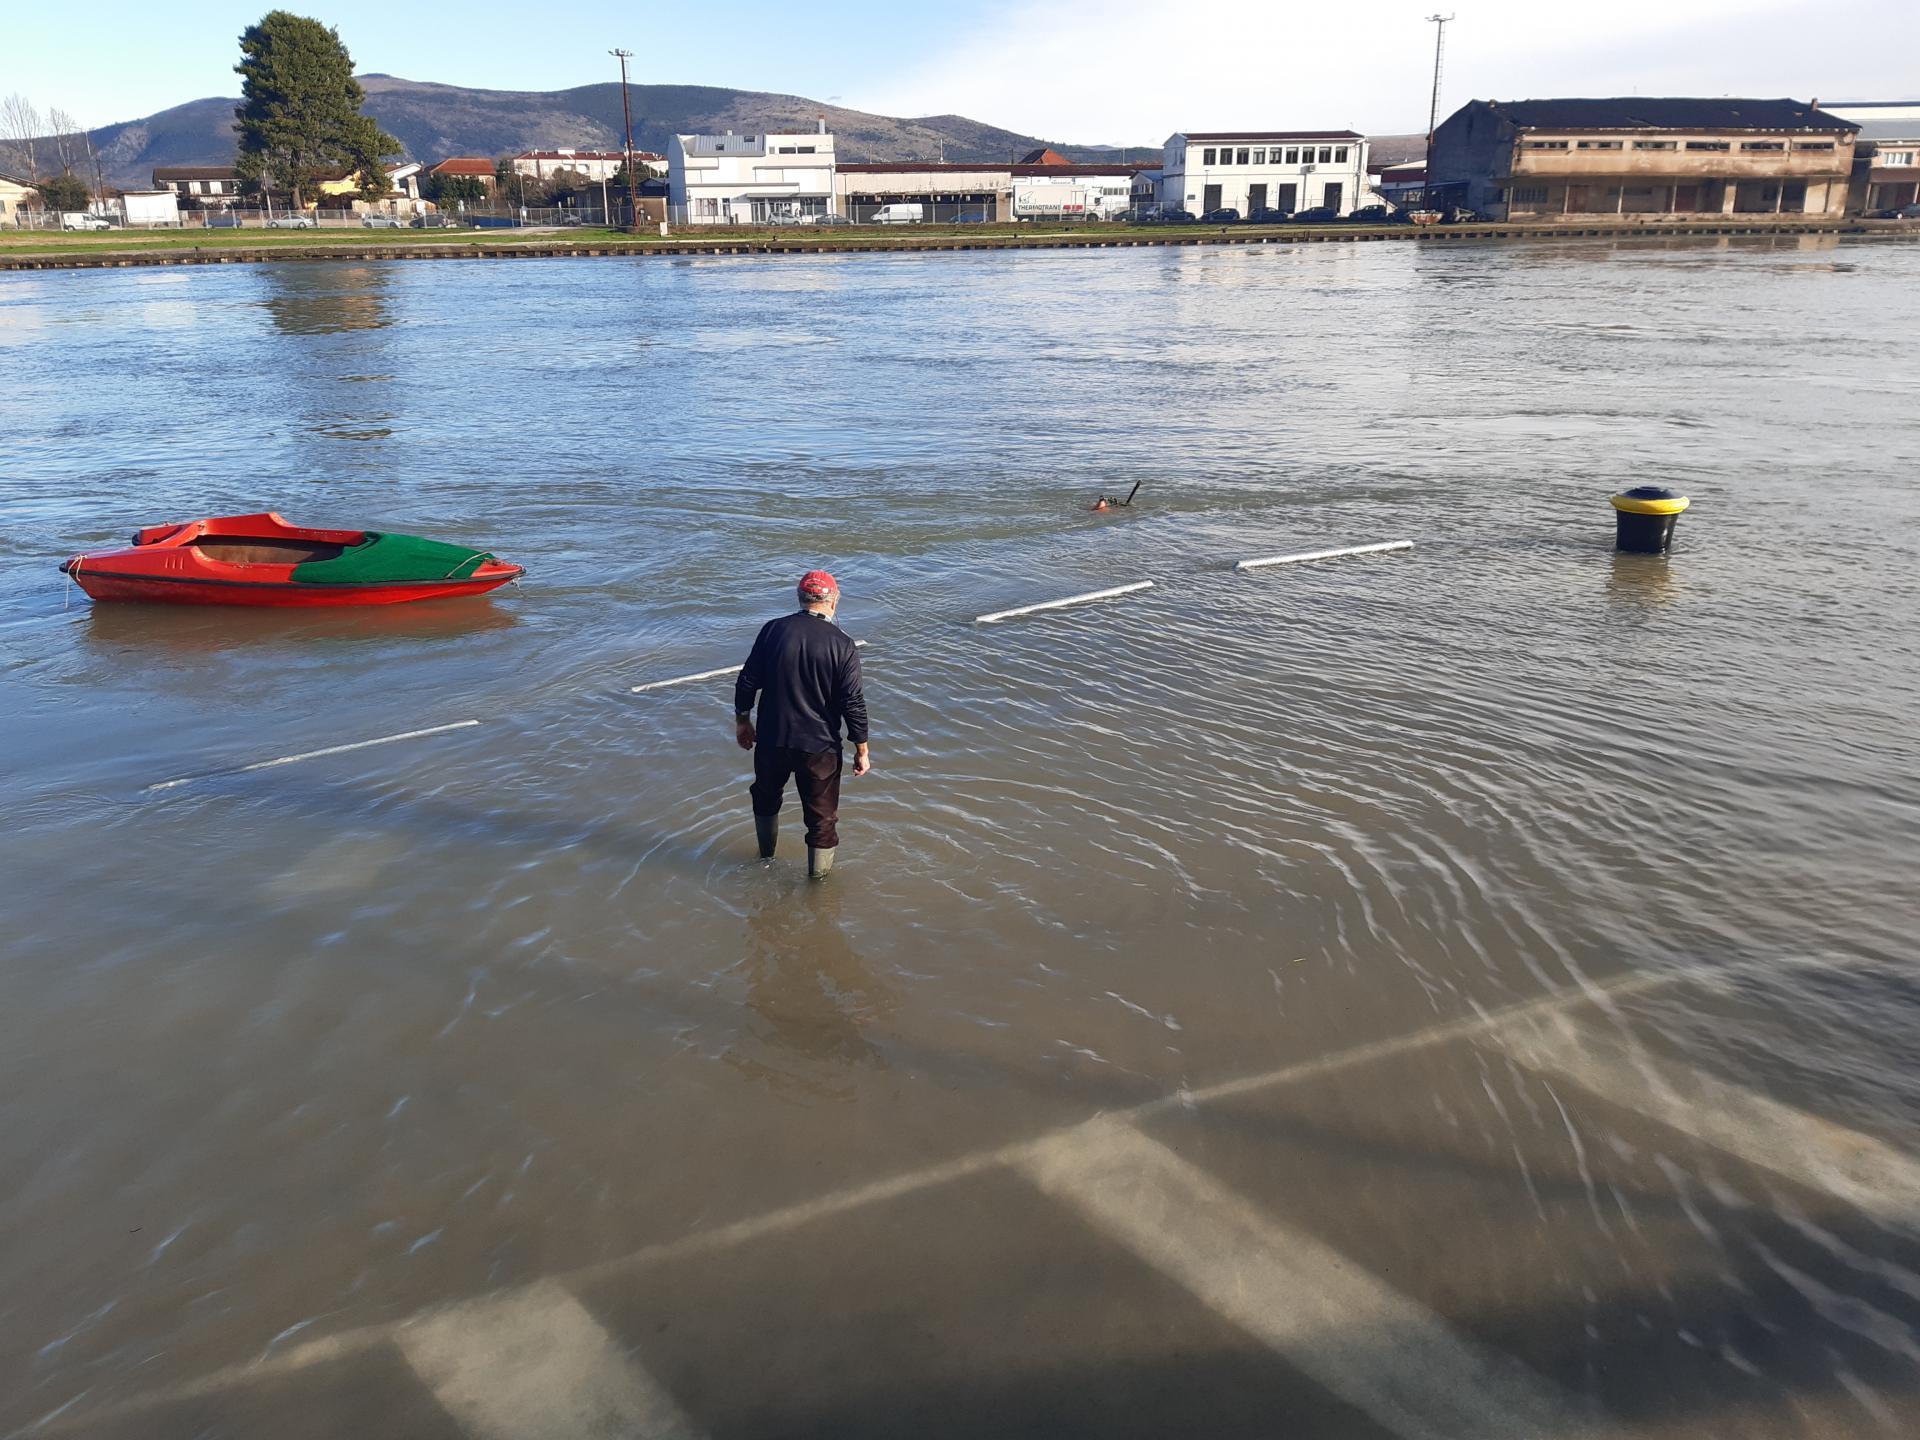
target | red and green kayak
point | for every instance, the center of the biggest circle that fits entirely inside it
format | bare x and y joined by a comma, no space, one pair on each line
262,560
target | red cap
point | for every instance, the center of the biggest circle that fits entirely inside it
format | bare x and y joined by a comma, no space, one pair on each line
818,585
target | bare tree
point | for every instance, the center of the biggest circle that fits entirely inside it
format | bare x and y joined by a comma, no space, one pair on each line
20,126
68,139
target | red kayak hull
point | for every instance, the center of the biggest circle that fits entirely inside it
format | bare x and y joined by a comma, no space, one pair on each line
249,560
168,590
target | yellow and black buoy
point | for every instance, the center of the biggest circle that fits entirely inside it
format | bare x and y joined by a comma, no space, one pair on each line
1645,517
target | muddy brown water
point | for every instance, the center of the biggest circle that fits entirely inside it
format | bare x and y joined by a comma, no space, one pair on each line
297,1054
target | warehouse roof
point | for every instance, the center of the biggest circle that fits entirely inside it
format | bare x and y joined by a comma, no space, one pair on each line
1639,112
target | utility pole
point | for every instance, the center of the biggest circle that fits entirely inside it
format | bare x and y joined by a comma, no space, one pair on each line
1439,23
626,110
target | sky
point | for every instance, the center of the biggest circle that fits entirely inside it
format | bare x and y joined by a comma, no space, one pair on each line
1079,71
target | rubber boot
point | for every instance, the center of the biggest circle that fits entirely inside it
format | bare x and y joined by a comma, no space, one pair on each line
819,862
766,829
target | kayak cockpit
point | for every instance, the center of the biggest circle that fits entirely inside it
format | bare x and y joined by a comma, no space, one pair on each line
262,550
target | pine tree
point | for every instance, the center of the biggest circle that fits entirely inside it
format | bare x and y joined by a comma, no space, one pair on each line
299,114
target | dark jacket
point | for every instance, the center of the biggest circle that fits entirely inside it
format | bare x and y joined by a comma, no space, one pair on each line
806,672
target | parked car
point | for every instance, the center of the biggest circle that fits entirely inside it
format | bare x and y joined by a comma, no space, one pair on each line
1376,215
292,222
383,222
902,214
1910,212
223,222
1461,215
434,222
1225,215
75,220
1268,215
831,220
1318,215
1176,216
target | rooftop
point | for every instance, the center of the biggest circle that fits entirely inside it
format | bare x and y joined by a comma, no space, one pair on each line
1640,112
1897,130
1267,135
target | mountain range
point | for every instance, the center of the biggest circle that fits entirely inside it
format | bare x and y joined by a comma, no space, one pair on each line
435,121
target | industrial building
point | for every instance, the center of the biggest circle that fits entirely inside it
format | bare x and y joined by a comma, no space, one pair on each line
1886,176
1056,189
1249,170
1642,157
751,179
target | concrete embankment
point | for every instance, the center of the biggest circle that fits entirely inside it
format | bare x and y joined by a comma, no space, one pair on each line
1105,238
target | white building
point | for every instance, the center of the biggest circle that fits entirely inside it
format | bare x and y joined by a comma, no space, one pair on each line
1886,168
1249,170
14,191
596,165
723,179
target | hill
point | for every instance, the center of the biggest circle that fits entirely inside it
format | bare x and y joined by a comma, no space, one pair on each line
435,121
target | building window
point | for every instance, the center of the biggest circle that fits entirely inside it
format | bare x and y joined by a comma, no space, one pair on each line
1891,157
1527,195
1814,145
1543,145
1763,145
1708,145
1259,157
1340,156
1206,157
1241,157
1654,145
1293,155
1326,154
1599,145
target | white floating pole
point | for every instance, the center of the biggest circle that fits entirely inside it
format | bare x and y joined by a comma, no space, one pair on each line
999,615
1385,545
686,679
703,675
313,754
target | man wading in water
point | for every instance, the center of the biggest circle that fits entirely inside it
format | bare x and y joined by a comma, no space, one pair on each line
806,672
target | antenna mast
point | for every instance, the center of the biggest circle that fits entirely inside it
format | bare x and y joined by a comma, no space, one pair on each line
1439,23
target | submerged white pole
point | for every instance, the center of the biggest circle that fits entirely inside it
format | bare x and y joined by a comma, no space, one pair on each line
313,754
702,675
1058,604
1383,546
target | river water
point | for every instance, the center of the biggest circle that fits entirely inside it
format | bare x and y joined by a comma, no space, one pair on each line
293,1055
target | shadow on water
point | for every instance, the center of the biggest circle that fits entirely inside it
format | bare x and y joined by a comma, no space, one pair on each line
813,996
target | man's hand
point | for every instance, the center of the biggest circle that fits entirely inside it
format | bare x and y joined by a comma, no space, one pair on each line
862,761
743,733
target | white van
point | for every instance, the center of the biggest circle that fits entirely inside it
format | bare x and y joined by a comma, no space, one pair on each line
80,220
899,214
